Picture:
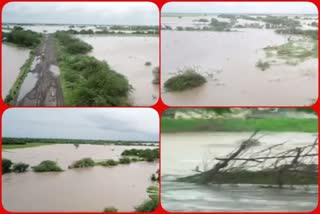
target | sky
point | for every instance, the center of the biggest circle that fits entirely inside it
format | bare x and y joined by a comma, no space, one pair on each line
82,123
115,13
241,7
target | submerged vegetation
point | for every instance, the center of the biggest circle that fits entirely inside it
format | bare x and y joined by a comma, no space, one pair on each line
87,81
263,65
6,165
22,38
20,167
151,204
110,210
84,162
186,79
155,72
47,166
144,154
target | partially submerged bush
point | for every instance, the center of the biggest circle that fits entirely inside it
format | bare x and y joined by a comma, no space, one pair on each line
47,166
124,160
188,79
23,38
147,64
147,154
110,210
20,167
6,165
155,72
109,162
263,65
84,162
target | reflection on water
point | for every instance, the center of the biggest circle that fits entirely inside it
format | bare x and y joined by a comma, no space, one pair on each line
28,84
12,60
90,189
128,55
183,152
239,81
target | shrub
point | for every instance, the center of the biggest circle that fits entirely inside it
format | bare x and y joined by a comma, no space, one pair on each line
110,209
20,167
147,154
147,63
6,165
151,204
109,162
84,162
23,38
263,65
47,166
124,160
188,79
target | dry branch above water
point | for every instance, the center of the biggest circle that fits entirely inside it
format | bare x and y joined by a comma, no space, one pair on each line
274,165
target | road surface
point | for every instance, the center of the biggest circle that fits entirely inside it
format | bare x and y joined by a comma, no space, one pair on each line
47,88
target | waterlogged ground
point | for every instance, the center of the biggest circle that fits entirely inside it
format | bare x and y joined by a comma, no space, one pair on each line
10,67
228,60
183,152
75,190
128,55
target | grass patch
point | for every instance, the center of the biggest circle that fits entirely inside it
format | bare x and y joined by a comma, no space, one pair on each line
265,124
47,166
26,145
187,79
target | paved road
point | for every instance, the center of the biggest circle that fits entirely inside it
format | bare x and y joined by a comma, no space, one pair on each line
47,89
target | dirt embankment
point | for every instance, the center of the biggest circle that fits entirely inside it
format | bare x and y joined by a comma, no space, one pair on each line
47,89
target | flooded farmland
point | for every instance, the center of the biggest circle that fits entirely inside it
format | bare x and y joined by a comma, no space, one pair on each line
198,149
128,55
11,68
228,60
74,189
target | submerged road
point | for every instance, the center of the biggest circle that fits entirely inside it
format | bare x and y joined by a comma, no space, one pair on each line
42,85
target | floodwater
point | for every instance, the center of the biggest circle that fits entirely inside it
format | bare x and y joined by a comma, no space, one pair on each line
228,60
128,55
198,150
10,67
75,190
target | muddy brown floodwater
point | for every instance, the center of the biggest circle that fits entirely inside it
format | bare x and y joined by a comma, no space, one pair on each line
75,190
128,55
228,59
10,67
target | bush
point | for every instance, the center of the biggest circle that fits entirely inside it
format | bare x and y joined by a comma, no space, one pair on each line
6,165
263,65
187,80
73,45
147,63
84,162
47,166
109,162
155,72
20,167
147,154
110,209
124,160
23,38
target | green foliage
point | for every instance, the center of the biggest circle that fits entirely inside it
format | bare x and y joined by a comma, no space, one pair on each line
151,204
124,160
188,79
155,72
84,162
87,81
219,26
296,31
6,165
109,162
110,210
147,154
280,21
20,167
264,124
263,65
23,38
73,45
47,166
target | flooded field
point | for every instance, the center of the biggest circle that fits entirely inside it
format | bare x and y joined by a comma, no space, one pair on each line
199,149
228,61
11,68
74,189
128,55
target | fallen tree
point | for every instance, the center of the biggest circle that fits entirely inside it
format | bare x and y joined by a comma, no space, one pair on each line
273,165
